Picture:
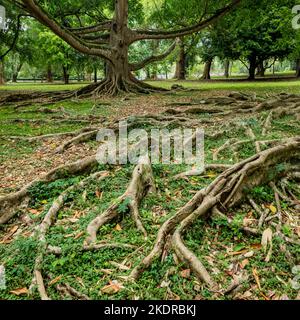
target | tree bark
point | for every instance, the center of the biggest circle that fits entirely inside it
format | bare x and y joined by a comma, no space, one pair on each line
49,74
206,72
298,68
180,73
66,75
2,76
95,75
252,67
16,72
261,69
227,68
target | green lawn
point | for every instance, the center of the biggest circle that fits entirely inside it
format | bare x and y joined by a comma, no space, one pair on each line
260,86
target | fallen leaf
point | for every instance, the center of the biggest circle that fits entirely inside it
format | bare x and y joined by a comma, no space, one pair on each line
79,235
112,288
264,296
20,291
118,227
238,252
11,232
165,284
244,263
256,277
55,280
249,254
211,175
272,208
256,246
34,211
267,240
185,273
98,193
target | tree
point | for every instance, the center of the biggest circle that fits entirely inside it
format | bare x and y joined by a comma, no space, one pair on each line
259,33
110,38
8,37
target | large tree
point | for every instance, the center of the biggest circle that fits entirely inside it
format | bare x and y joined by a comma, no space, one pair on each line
111,35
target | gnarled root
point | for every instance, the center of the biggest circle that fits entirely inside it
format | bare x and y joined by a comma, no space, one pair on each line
141,183
225,192
9,202
47,222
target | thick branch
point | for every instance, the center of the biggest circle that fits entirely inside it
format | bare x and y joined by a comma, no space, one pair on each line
142,64
66,35
106,25
162,34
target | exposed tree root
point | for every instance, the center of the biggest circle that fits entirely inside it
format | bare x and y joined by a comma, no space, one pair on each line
225,192
105,245
51,136
83,137
47,222
9,202
67,290
141,183
107,87
197,172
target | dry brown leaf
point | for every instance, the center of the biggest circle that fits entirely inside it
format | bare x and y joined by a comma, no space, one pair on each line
11,232
118,228
237,253
256,246
34,212
20,291
264,296
79,235
112,288
244,263
185,273
266,238
55,280
98,194
256,277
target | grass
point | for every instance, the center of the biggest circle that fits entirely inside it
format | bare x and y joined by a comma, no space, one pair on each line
211,241
260,86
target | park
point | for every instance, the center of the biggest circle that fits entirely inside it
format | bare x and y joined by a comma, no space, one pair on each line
73,74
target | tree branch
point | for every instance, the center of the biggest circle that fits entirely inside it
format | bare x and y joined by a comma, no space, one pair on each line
142,64
106,25
16,36
64,34
162,34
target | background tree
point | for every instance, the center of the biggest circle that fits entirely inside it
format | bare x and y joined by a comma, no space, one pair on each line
113,32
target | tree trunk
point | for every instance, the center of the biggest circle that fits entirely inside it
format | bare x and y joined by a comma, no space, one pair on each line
180,73
2,76
66,75
298,68
95,75
118,76
148,73
16,72
227,68
49,74
252,67
206,72
261,69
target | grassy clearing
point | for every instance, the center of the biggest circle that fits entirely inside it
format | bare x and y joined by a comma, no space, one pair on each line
260,86
220,246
